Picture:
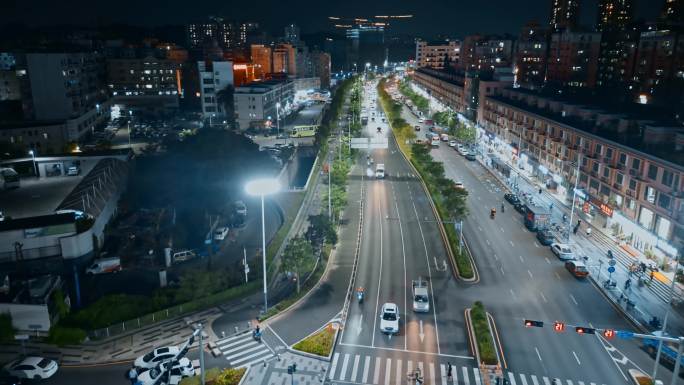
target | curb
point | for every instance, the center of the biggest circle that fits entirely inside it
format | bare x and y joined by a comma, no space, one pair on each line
495,339
440,225
622,311
311,355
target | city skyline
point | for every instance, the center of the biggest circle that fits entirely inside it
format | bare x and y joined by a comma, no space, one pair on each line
455,19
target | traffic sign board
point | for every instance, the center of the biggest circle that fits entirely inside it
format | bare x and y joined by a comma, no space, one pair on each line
612,262
625,334
611,269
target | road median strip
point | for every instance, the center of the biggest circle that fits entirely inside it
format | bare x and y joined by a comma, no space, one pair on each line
484,340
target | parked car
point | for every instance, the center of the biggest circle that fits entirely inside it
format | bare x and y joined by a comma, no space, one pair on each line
458,185
241,208
181,368
417,128
73,171
520,207
562,251
182,256
36,368
452,143
220,233
545,237
470,156
389,318
155,357
577,268
511,198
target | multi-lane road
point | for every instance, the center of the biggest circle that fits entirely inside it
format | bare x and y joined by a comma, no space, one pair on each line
519,279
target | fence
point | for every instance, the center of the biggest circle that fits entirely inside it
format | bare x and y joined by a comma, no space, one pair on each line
175,311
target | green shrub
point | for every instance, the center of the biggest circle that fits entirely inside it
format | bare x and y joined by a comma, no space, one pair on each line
320,343
62,336
216,376
483,336
108,310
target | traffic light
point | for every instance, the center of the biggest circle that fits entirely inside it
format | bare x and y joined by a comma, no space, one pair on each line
609,333
538,324
583,330
559,326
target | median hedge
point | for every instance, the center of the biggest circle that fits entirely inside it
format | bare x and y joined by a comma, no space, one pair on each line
483,335
319,344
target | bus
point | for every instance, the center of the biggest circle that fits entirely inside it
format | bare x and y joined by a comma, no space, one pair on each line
8,179
303,131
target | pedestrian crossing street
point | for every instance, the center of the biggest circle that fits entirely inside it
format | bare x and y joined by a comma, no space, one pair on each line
365,369
243,350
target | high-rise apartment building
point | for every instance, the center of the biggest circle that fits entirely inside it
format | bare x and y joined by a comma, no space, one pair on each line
573,59
659,67
673,12
530,56
321,67
613,14
213,30
144,81
438,54
214,77
262,58
292,34
564,14
485,53
285,59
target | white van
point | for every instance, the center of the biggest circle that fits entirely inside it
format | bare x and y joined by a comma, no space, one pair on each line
105,265
380,171
183,256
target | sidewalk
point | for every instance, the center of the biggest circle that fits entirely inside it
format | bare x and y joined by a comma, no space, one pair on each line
639,303
309,371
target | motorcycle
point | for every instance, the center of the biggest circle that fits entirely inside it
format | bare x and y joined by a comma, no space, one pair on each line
359,294
492,213
256,334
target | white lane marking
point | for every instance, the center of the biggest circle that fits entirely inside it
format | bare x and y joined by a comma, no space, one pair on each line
512,293
432,374
573,299
479,228
521,258
496,257
400,375
403,252
547,381
376,372
502,270
476,374
333,366
360,327
409,366
377,298
557,276
355,368
547,260
534,379
345,363
580,382
388,371
366,367
542,295
487,241
502,229
512,244
523,380
442,373
466,379
538,355
479,199
529,273
536,244
576,358
511,378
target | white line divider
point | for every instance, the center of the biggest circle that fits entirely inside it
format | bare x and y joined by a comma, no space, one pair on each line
331,374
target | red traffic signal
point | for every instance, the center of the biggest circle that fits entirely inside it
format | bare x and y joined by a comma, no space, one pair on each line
559,326
609,333
583,330
530,323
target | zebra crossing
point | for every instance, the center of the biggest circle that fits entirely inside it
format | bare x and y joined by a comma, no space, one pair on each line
364,369
243,350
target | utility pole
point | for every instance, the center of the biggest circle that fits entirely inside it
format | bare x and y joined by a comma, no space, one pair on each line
329,188
574,198
660,343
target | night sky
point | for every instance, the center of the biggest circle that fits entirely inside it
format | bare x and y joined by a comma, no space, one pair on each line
431,17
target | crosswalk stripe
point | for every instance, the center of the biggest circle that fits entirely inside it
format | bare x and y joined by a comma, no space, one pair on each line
399,373
235,343
569,382
225,340
244,359
228,351
522,379
388,369
376,374
511,378
534,380
443,373
593,383
243,352
476,374
366,367
422,370
466,380
345,362
454,372
331,374
580,382
355,368
547,381
409,366
432,373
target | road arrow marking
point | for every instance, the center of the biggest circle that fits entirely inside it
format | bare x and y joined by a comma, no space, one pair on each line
358,329
444,265
421,334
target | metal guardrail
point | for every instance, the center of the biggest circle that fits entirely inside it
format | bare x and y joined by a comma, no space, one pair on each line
137,323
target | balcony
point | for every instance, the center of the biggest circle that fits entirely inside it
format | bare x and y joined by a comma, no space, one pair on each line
617,186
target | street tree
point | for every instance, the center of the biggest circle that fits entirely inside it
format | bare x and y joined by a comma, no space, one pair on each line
298,257
320,230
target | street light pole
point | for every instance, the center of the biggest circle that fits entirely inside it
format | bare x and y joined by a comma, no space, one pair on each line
263,252
130,116
33,157
660,343
330,187
278,118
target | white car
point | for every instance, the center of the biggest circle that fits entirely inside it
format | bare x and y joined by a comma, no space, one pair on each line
220,233
389,318
562,251
153,358
241,208
458,185
181,368
36,368
452,143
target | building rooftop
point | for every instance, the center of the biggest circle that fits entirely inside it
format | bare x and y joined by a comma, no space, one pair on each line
454,78
259,87
633,139
39,221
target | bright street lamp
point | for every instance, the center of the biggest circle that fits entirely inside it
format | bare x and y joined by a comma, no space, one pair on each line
130,116
261,188
33,156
